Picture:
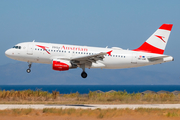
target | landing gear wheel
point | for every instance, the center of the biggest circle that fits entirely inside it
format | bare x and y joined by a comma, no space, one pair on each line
83,74
28,70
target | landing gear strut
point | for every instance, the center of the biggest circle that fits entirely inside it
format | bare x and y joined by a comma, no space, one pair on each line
29,69
83,74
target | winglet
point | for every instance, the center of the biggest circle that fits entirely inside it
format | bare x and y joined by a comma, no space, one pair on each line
109,53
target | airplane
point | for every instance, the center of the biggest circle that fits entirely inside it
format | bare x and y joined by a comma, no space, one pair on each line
64,57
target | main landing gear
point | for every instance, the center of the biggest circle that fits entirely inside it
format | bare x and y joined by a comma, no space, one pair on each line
29,69
83,74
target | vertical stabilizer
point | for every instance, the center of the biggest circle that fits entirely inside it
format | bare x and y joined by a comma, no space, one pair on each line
156,43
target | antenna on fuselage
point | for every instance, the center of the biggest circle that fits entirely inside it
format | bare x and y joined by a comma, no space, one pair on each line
106,46
33,40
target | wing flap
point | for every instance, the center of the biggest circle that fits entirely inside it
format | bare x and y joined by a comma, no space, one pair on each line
95,57
90,58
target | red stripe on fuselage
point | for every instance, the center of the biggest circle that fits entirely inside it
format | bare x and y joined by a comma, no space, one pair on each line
145,47
43,47
166,27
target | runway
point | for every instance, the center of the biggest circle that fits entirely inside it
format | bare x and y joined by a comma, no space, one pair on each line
89,106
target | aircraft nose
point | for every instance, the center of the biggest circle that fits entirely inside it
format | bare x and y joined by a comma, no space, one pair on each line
7,53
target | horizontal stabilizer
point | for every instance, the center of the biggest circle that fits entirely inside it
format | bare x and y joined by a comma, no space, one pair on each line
157,58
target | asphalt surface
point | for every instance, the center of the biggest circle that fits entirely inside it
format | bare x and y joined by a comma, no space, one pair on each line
89,106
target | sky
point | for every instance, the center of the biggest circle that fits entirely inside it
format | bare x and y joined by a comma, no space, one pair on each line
113,23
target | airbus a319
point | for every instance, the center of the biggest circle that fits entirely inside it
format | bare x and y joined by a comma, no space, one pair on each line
64,57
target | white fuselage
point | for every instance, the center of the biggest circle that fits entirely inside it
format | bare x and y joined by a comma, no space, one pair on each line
119,58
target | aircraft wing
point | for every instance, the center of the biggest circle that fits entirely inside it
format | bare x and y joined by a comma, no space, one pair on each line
89,58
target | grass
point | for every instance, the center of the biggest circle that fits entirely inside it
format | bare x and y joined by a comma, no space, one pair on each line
44,97
96,113
28,95
124,97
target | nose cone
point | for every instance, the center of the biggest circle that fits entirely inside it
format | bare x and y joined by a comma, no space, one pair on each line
7,53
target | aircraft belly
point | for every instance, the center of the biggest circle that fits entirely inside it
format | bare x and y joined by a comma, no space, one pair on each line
97,65
117,64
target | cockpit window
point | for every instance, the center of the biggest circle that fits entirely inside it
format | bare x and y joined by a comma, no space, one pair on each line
17,47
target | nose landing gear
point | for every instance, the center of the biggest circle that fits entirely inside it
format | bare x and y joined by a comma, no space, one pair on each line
29,69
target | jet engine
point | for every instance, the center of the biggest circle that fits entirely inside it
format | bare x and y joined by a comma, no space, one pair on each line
61,65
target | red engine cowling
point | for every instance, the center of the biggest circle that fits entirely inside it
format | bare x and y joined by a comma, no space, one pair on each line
60,66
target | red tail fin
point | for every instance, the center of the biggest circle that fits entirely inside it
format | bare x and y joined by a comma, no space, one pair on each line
156,43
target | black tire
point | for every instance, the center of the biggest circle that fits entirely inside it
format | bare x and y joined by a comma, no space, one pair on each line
83,74
28,70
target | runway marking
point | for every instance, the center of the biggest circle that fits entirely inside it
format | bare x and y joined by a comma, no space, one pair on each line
89,106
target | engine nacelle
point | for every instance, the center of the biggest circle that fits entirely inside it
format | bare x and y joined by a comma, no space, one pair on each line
61,65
